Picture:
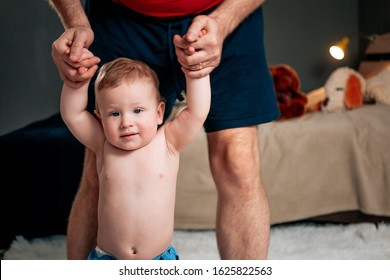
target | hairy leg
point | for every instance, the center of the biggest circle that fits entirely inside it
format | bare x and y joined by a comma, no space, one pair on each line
243,224
82,226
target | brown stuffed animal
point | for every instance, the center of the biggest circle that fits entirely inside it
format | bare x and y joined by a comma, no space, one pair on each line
291,99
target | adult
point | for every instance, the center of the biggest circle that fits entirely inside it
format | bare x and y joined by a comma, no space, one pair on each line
162,32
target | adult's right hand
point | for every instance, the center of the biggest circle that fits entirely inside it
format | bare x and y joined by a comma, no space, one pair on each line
67,53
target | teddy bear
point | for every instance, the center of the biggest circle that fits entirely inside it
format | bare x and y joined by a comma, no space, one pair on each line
344,90
291,100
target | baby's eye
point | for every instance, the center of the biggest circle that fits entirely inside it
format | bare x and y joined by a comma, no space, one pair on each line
137,111
115,114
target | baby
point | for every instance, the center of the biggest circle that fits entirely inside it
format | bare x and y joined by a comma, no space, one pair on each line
137,155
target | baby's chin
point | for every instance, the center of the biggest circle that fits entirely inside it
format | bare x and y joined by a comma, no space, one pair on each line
130,146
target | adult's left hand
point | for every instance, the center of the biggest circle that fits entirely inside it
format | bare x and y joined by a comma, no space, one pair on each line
200,55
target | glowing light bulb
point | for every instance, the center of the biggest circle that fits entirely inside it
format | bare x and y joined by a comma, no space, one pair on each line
338,51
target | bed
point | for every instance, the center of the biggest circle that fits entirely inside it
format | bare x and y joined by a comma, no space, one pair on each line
313,165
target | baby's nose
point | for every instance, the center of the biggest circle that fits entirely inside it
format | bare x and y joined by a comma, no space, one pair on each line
127,122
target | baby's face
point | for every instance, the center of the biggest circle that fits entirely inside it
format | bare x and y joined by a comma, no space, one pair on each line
130,114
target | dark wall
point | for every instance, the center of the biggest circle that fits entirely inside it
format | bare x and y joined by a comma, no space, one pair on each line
29,81
374,18
298,33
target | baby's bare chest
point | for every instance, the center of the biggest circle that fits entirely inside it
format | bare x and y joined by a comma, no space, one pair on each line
149,166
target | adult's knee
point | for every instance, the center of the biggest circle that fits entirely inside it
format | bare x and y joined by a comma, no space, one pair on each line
234,158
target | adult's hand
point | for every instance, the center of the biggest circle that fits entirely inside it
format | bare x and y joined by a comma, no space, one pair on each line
200,55
74,69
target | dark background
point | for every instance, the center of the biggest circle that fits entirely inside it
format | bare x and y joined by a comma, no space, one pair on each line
298,33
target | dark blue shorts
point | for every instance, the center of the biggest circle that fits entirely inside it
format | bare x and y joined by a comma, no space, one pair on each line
242,88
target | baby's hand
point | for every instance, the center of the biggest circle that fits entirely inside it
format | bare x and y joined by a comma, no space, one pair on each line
192,50
201,34
86,54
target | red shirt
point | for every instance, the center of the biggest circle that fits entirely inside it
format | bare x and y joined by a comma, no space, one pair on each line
168,8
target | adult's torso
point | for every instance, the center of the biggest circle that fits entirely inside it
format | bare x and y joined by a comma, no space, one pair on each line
168,8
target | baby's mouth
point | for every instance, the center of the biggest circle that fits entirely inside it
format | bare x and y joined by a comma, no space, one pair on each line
129,135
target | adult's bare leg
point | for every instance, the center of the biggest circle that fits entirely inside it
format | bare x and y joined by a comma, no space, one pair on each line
82,225
243,223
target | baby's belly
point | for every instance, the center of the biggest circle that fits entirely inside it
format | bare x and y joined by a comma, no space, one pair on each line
135,225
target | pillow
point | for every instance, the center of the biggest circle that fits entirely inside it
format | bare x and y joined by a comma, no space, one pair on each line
377,56
378,88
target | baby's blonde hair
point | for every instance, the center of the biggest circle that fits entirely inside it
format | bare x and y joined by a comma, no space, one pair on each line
113,73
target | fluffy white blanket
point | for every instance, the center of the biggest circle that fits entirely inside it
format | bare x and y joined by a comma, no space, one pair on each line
302,242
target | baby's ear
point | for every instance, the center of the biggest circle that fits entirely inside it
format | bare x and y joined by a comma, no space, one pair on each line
160,112
97,113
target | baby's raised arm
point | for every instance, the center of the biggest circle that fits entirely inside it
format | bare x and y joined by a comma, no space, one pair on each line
73,107
183,129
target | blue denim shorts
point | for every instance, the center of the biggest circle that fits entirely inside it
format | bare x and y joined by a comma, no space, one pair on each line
99,254
242,87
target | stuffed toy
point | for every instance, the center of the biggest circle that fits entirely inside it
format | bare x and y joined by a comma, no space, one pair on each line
378,88
344,90
291,100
